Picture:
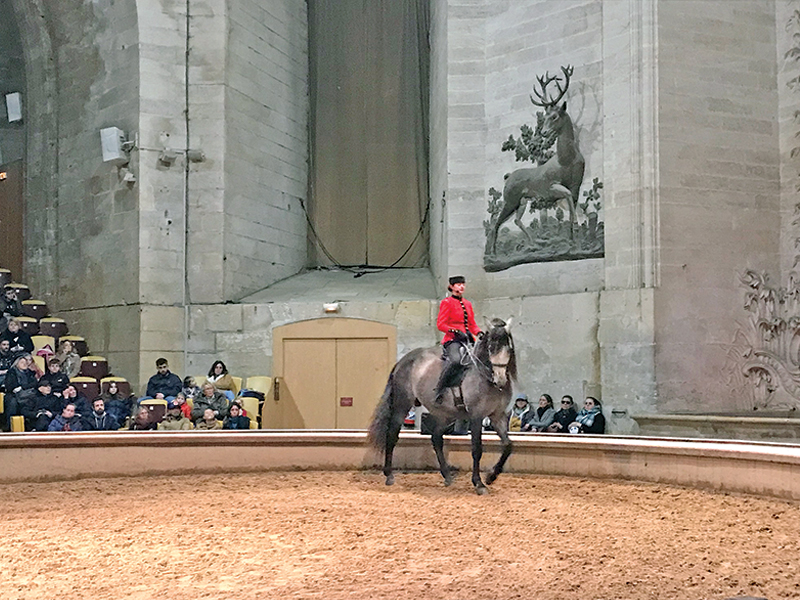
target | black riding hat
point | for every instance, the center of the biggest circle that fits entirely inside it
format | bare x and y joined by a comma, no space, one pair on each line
457,279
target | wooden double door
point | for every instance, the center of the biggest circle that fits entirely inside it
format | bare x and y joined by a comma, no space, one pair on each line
330,372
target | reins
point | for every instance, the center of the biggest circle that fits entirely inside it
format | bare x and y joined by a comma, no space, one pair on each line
486,367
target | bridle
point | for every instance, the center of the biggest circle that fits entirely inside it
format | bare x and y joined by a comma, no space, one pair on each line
488,367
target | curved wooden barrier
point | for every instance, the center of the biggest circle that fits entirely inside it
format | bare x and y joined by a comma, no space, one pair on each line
765,469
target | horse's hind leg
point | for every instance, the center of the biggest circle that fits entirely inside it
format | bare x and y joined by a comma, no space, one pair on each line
501,427
392,435
476,425
437,440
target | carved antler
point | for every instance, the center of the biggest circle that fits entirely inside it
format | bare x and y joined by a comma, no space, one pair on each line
545,81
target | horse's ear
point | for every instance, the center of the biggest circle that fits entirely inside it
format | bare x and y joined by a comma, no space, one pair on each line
508,324
564,107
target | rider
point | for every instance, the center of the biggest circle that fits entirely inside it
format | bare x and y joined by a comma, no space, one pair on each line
457,321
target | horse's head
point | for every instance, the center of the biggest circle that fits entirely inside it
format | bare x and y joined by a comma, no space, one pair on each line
496,349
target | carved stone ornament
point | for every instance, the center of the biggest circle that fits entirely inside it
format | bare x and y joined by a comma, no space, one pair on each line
550,186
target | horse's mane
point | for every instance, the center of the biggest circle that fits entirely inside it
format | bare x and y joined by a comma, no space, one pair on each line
494,340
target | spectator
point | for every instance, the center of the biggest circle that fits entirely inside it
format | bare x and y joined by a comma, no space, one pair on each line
564,416
543,416
58,380
6,360
20,387
208,420
40,410
117,404
180,401
99,419
235,420
590,419
70,395
68,420
19,341
190,388
164,384
142,421
175,420
69,359
209,399
219,376
10,307
520,413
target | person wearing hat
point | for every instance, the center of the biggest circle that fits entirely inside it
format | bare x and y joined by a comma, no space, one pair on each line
520,413
456,320
175,420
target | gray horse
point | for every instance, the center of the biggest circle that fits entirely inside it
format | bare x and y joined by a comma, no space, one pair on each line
485,391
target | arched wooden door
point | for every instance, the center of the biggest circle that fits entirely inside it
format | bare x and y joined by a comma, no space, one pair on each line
330,373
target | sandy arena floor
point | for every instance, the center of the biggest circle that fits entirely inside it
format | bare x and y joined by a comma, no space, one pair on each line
345,535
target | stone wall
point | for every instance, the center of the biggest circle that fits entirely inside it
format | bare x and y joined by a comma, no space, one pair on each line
12,79
438,137
719,187
266,171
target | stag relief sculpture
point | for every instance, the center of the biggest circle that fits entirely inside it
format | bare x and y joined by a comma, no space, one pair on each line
559,179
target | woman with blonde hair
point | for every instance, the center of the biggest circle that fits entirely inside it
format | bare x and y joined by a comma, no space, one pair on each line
69,359
209,398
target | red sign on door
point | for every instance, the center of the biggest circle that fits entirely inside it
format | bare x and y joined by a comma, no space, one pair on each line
346,401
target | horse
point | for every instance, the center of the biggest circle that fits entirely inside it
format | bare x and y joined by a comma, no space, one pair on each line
485,391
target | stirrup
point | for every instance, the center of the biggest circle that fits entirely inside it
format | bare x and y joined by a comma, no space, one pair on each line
458,399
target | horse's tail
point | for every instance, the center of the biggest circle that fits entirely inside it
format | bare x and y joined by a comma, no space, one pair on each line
382,417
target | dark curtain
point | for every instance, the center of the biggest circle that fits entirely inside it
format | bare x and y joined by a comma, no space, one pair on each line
368,180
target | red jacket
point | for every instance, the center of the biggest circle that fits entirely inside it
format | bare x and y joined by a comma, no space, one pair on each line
451,316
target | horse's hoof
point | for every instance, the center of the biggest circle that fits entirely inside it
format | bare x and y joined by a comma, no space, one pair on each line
390,480
481,490
448,481
491,478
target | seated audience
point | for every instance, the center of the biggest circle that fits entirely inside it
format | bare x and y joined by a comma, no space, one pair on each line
141,421
19,341
190,388
69,359
70,395
590,419
68,420
174,420
180,401
164,384
42,409
6,360
58,380
208,420
564,416
10,307
20,385
119,406
99,419
235,420
219,376
210,399
543,416
520,413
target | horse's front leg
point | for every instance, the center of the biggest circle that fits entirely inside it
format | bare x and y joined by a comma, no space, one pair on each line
500,425
476,425
437,440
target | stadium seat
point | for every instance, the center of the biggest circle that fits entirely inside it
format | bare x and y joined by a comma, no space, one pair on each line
2,402
29,325
5,277
23,292
88,386
53,326
157,408
251,406
36,309
122,385
259,383
94,366
253,423
39,360
78,343
18,424
237,382
40,341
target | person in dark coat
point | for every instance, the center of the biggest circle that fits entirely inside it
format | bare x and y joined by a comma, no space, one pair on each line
117,404
164,384
235,420
10,307
19,341
98,419
564,416
70,395
590,419
68,420
20,387
6,361
40,411
58,381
